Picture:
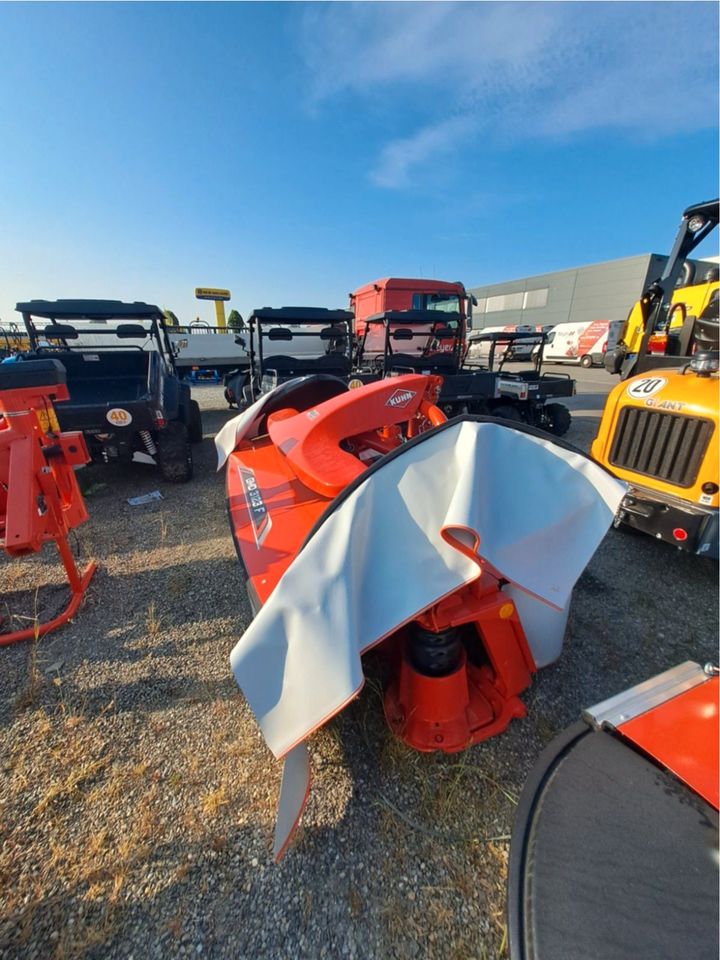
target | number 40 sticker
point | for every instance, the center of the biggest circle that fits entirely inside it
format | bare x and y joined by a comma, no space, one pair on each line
119,417
646,387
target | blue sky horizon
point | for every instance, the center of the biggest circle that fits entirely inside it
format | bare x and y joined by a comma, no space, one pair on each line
294,151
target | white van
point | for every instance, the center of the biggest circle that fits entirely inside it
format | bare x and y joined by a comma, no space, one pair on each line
583,343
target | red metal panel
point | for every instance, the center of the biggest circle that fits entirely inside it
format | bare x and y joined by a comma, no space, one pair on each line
683,734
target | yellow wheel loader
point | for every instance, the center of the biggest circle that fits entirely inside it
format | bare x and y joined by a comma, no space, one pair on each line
659,428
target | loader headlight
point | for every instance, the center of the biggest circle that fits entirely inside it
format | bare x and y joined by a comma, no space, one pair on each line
696,223
705,363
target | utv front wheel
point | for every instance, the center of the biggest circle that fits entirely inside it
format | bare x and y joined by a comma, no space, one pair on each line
195,428
174,453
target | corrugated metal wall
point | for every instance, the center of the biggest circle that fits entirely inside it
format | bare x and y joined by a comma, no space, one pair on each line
600,291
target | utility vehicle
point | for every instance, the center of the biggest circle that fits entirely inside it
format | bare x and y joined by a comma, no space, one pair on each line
125,394
423,341
288,342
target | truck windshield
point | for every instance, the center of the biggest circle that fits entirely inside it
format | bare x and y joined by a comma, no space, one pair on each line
447,302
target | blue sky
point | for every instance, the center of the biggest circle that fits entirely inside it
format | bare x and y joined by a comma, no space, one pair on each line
292,152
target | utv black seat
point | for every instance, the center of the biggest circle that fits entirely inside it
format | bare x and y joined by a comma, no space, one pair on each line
31,373
335,364
436,363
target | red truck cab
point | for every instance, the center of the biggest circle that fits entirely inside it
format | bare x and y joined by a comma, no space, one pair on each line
399,293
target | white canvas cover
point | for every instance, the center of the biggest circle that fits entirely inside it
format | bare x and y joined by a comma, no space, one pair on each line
238,428
415,530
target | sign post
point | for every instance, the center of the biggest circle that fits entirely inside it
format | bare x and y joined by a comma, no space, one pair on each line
219,296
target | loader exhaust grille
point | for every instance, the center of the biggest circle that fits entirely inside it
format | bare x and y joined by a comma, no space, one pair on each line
666,446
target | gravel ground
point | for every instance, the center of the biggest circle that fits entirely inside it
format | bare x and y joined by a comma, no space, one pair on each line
137,796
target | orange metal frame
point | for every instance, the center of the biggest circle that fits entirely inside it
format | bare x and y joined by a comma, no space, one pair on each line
39,495
479,699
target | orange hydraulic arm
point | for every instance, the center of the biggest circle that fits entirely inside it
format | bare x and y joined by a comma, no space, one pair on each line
39,496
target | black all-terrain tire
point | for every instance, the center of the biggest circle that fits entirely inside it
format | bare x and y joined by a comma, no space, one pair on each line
174,453
506,411
559,419
586,361
195,427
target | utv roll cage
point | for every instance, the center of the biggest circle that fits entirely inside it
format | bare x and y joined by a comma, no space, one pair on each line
538,338
273,325
60,329
404,326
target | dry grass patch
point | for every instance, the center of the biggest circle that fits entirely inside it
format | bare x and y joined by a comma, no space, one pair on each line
29,694
70,787
153,621
80,819
213,801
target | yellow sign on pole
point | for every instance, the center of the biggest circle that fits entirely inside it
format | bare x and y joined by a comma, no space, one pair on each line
209,293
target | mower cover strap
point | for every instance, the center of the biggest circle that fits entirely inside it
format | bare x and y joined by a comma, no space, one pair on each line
415,530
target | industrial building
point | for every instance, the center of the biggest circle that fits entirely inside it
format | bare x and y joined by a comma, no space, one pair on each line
599,291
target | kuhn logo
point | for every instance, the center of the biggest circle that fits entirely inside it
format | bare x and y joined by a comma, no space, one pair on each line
401,398
259,517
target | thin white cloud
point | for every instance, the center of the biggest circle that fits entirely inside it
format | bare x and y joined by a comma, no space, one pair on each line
514,70
399,157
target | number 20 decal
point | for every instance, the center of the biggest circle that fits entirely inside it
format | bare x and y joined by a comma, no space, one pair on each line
641,389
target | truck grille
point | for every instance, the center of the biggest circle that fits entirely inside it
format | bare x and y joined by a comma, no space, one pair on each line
667,446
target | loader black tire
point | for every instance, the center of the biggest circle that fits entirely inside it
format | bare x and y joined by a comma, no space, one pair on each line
559,418
174,453
195,428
